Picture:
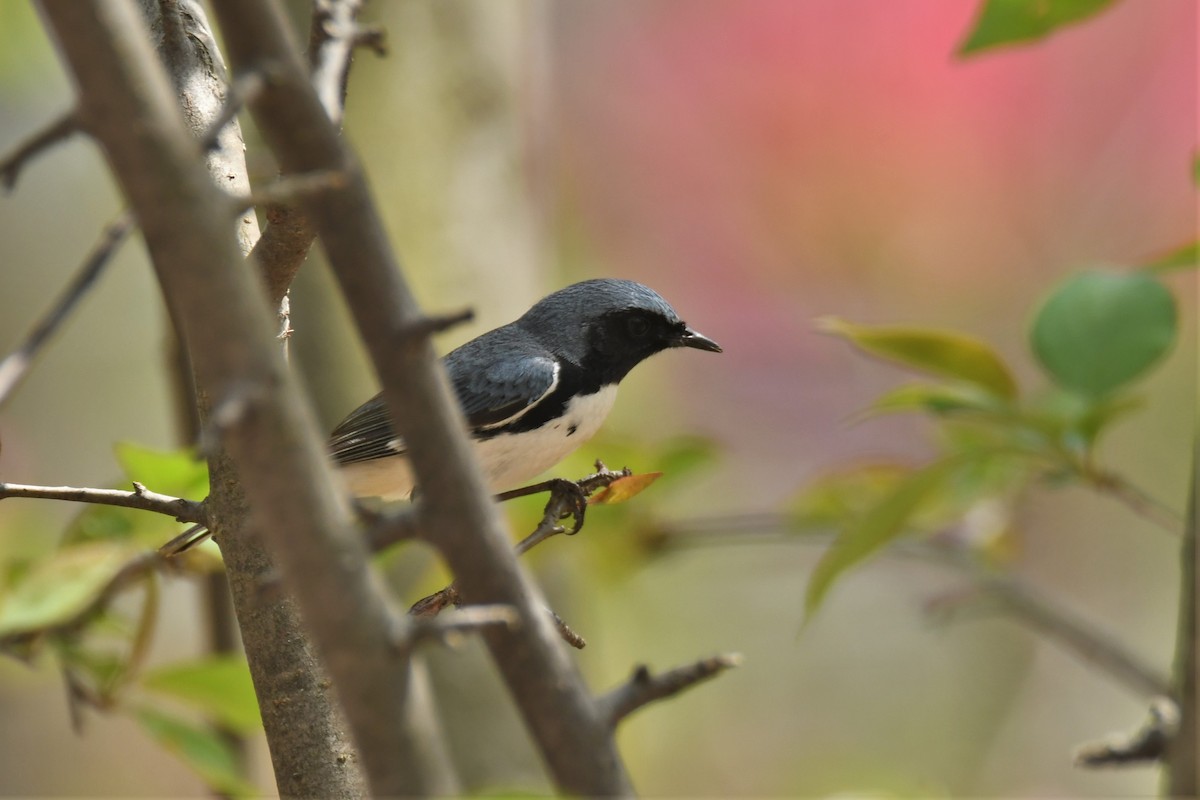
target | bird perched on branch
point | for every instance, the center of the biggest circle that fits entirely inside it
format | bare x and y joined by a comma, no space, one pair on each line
533,390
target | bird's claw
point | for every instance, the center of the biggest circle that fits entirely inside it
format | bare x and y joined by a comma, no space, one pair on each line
567,499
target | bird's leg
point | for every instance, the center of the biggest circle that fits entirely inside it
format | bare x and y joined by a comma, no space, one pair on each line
567,498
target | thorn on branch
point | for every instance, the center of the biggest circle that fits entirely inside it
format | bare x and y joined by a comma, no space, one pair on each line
413,631
245,87
16,365
373,38
58,130
418,330
289,189
430,606
644,688
435,603
569,636
1150,742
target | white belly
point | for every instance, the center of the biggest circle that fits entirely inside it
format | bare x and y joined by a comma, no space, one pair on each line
508,460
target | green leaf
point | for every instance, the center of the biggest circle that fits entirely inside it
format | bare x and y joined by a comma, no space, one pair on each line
1006,22
218,686
173,472
834,500
1099,331
938,399
200,748
58,590
624,488
944,353
881,524
1184,257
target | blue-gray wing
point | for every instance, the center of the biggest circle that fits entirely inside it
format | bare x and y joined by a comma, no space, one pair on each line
490,396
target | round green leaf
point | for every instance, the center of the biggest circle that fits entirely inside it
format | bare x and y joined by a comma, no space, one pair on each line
1099,331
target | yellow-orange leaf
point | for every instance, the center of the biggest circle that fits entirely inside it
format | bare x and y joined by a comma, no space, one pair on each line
623,488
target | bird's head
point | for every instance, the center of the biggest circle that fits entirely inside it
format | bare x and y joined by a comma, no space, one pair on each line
609,326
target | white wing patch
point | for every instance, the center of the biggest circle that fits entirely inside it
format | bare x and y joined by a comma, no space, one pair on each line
508,420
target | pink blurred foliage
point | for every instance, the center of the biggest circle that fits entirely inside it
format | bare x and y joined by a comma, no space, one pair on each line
765,162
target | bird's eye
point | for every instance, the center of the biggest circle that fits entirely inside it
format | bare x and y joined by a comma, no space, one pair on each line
637,327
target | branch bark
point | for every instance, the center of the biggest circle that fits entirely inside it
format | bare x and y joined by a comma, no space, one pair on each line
644,687
257,412
563,718
301,717
140,498
1183,765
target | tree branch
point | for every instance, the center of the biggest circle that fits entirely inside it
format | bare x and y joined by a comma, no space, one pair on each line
287,239
644,688
140,498
1183,757
304,725
57,131
1150,742
274,443
459,514
16,364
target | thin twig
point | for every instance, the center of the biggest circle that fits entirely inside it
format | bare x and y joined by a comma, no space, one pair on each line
417,630
16,365
415,333
289,189
1150,742
58,130
1094,645
1046,615
1136,499
644,688
140,498
566,498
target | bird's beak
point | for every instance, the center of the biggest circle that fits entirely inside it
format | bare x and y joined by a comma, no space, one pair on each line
691,338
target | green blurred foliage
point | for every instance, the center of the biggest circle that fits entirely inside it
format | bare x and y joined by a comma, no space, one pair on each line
200,748
64,602
1099,331
1096,335
1007,22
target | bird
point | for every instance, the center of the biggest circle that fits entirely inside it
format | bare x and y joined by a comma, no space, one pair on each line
532,391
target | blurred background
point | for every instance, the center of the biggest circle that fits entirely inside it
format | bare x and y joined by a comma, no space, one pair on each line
759,164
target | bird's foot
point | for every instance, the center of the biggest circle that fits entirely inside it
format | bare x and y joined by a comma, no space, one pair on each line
567,499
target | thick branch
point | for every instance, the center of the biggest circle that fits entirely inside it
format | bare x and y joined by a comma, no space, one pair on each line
467,527
58,130
268,432
286,241
16,365
140,498
644,688
1183,758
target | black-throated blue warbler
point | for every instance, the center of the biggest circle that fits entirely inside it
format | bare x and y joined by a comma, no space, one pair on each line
533,390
